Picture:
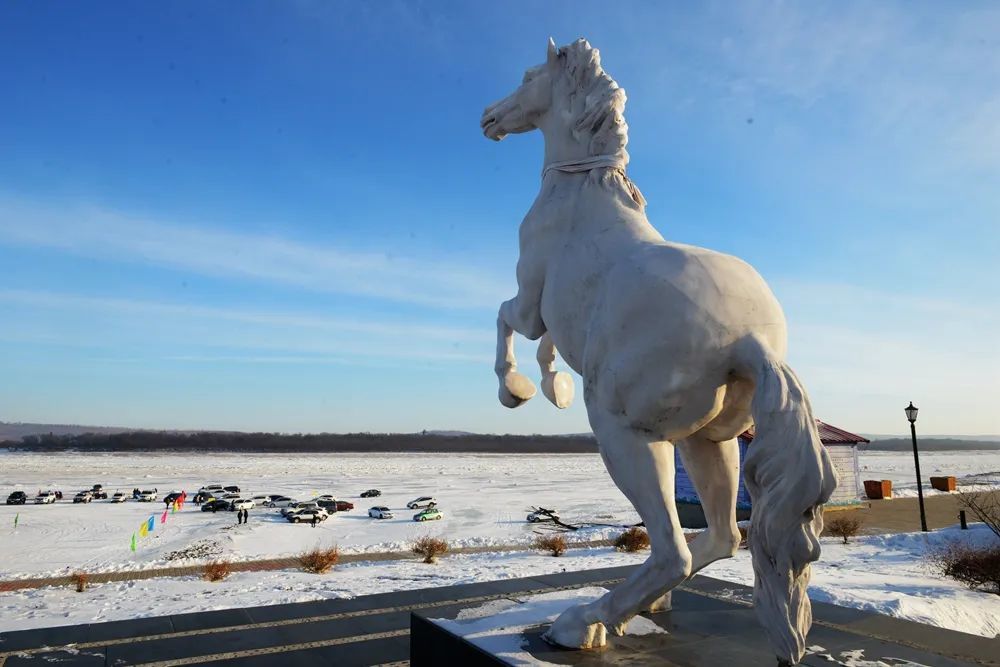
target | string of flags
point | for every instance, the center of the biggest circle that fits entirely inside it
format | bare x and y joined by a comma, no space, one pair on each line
149,525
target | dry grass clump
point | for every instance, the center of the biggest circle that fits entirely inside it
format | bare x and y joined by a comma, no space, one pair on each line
318,560
844,527
217,570
632,540
430,548
555,544
80,580
976,567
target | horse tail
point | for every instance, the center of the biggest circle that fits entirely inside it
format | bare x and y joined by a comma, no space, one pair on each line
789,476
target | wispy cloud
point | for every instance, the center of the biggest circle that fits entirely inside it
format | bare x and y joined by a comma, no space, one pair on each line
92,231
297,337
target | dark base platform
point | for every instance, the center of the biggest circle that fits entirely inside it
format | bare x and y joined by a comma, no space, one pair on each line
712,624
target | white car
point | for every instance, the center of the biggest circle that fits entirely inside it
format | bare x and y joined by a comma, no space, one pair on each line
262,500
422,501
118,497
241,504
307,515
147,497
379,513
297,507
543,515
45,498
212,489
281,501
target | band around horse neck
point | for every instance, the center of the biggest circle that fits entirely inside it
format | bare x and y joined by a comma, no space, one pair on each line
586,164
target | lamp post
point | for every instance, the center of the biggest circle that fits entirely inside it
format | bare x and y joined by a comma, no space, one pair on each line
911,415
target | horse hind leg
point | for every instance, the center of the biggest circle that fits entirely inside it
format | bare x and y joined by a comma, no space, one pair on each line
644,471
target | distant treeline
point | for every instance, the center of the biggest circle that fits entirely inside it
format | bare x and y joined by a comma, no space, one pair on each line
214,441
929,445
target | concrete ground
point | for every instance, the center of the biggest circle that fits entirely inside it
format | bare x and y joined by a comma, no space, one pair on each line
902,515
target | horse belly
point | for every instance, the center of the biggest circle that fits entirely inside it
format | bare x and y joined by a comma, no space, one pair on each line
661,341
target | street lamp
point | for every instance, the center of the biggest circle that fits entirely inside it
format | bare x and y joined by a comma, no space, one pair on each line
911,415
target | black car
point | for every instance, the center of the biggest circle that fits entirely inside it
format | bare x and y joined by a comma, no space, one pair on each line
98,492
17,498
371,493
328,504
171,497
231,489
216,506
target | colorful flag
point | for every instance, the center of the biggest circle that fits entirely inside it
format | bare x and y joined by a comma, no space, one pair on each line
143,529
151,523
163,519
133,541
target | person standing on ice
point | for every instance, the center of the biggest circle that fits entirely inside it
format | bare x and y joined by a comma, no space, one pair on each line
314,520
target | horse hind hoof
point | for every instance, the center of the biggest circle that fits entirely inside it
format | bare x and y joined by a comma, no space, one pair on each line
571,631
516,390
559,389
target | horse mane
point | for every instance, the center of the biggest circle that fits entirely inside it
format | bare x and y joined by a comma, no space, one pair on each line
597,105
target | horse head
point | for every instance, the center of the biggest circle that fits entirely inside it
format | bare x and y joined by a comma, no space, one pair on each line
570,98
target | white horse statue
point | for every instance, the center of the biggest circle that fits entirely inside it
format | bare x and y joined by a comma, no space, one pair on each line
678,346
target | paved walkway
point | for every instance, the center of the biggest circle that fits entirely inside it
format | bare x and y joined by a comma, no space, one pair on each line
902,515
264,565
711,624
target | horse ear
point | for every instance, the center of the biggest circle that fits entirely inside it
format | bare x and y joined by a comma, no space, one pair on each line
553,53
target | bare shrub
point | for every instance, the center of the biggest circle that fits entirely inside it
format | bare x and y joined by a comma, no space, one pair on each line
976,567
430,548
632,540
319,561
81,580
555,544
217,570
985,506
844,527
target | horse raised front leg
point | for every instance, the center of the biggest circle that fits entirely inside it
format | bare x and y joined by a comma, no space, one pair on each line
644,471
556,385
515,388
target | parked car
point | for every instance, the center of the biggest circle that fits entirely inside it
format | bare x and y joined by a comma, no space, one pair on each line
422,501
328,504
308,505
231,489
262,500
307,515
344,506
541,514
171,497
45,498
281,501
17,498
211,488
119,497
241,504
429,514
147,496
83,497
203,497
230,496
219,505
98,492
379,513
371,493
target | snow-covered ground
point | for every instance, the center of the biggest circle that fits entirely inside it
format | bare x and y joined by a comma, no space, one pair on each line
971,469
484,498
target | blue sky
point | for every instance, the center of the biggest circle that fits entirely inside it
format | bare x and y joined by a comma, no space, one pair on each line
283,216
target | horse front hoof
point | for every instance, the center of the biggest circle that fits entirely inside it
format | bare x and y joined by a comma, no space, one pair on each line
570,630
559,389
515,390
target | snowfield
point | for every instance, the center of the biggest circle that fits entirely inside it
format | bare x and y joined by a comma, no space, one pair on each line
484,499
